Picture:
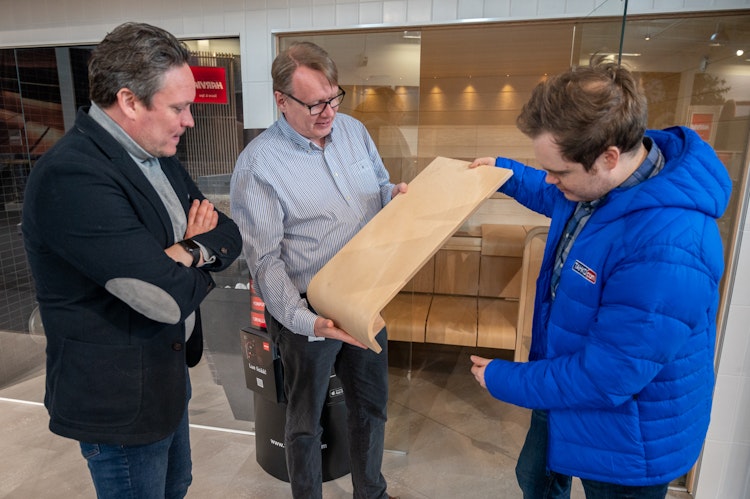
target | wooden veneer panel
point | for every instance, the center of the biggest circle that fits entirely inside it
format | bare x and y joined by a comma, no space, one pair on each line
363,277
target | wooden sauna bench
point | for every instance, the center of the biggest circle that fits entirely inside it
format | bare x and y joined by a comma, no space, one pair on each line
475,291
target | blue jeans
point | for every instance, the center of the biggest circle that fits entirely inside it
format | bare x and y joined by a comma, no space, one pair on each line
161,470
537,482
364,377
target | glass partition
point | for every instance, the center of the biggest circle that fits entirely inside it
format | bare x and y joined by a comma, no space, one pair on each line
696,73
31,120
472,81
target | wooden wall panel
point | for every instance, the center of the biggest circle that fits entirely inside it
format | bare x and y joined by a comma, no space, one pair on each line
497,323
503,240
457,272
452,321
406,316
500,277
424,280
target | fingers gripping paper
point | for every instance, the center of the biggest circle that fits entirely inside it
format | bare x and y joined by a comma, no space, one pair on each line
363,277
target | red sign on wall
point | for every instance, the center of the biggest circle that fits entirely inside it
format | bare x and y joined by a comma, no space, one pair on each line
703,124
210,84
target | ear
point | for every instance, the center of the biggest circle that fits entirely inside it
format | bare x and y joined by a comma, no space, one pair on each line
281,100
127,102
610,157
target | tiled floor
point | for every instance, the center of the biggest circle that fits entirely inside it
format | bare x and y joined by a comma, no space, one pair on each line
446,438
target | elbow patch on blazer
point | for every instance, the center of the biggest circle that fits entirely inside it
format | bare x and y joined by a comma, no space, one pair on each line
145,298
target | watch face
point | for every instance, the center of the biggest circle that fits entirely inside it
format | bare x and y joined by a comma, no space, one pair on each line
192,248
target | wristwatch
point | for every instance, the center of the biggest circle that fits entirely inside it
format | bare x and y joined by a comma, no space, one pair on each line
192,248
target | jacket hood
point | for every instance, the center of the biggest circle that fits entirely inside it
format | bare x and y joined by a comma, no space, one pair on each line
693,177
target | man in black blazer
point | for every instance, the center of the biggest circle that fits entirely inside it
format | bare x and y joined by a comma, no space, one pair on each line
121,244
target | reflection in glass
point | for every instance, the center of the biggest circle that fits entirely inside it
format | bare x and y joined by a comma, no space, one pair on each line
463,89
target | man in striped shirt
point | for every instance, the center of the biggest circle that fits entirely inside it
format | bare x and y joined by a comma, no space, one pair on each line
299,192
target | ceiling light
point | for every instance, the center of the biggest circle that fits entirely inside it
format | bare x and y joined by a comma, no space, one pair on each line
615,54
718,37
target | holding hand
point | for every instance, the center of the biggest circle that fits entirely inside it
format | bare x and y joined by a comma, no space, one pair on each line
399,189
489,161
325,328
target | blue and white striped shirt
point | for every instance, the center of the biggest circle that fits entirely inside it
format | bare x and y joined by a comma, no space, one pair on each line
297,205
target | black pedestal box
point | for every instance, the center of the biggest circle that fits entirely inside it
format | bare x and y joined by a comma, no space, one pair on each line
270,418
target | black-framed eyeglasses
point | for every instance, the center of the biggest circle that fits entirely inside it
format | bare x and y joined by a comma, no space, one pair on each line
318,108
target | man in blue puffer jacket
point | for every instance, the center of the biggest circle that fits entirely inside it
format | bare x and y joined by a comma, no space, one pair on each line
621,372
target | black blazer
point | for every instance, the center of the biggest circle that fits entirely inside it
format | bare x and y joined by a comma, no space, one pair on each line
113,304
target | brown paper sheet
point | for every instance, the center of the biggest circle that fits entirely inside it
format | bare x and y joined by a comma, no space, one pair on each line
362,278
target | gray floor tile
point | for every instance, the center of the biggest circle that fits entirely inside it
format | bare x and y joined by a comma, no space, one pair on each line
446,438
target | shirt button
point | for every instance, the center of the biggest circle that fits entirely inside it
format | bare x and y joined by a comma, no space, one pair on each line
176,346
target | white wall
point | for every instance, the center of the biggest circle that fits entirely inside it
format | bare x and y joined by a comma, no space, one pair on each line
724,471
725,467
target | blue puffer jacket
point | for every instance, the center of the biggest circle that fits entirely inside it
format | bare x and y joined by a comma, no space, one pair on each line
623,358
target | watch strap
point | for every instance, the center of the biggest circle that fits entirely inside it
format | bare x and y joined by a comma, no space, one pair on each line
192,248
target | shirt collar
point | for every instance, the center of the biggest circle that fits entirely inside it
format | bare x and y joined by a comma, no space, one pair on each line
138,153
298,139
651,165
